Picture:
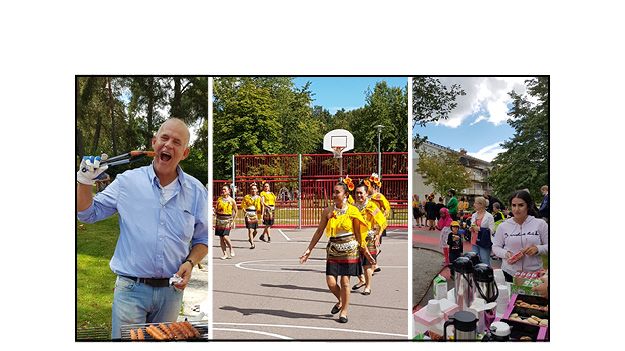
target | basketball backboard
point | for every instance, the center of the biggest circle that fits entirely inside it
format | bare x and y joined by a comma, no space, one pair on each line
338,138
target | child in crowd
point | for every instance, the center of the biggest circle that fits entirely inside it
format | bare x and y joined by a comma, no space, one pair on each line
454,241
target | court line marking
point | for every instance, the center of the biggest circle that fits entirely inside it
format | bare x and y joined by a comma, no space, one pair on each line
314,328
240,266
255,332
284,235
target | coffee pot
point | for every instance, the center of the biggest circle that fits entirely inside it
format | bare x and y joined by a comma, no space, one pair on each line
464,286
465,326
498,331
485,286
473,256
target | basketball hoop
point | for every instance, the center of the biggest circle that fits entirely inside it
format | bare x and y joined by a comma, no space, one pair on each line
338,151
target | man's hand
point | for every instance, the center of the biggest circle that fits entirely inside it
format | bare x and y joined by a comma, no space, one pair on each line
90,169
184,272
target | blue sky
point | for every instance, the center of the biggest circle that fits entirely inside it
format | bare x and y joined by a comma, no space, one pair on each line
334,93
479,122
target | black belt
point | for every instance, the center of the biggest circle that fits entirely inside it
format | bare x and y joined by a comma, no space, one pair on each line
153,282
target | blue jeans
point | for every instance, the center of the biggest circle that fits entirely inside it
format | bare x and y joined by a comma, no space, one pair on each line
483,253
135,303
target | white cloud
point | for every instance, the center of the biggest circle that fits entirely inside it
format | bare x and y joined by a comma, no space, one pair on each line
479,119
488,153
486,95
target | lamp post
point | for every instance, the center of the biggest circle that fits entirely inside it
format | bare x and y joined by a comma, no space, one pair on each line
379,128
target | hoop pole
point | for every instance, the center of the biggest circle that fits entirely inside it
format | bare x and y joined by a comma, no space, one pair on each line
299,192
234,195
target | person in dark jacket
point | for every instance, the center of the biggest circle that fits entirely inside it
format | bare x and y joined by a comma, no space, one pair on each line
430,212
491,200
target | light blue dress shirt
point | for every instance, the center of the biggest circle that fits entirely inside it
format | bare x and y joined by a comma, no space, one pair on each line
155,236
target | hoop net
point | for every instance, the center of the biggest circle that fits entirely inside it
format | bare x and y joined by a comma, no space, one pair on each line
338,151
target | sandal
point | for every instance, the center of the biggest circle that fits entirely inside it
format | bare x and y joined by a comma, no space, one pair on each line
343,319
335,309
365,292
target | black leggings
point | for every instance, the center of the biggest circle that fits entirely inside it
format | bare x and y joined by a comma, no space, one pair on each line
508,277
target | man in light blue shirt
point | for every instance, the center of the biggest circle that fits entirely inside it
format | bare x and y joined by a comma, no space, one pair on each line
163,220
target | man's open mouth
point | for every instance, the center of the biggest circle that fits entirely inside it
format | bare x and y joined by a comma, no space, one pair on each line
165,156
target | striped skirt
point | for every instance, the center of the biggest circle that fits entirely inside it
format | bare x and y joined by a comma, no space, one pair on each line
251,219
343,257
373,250
268,215
223,223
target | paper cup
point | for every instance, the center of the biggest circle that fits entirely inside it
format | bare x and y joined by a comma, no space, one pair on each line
433,308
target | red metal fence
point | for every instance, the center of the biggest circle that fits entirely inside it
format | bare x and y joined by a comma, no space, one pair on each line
318,177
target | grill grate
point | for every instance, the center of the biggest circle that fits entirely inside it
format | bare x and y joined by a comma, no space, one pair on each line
202,327
93,334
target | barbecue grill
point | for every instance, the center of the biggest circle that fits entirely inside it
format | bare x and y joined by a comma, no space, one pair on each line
104,334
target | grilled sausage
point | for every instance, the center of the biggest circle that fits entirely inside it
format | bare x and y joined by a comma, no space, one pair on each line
133,335
177,332
187,333
140,335
167,331
155,333
195,332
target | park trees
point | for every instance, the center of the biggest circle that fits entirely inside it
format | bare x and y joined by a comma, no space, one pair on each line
443,171
119,114
387,106
261,115
431,102
525,163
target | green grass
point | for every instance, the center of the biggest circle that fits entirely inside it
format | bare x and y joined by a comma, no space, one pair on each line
95,281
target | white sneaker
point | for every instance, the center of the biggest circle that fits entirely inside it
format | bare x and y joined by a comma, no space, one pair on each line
223,257
232,254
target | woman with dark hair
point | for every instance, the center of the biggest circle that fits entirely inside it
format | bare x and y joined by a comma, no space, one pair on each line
347,231
377,223
226,211
430,212
439,205
252,207
268,204
520,240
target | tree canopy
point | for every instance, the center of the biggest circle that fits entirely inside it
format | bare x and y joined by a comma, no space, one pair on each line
525,163
431,102
115,115
270,115
443,171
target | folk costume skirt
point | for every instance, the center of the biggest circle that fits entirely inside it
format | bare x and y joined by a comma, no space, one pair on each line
251,219
343,257
373,250
223,223
268,215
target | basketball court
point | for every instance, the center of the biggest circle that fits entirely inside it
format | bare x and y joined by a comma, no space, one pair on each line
266,294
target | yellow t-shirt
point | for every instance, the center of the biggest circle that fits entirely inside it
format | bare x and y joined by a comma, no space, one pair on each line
270,198
248,202
343,223
414,204
224,206
382,203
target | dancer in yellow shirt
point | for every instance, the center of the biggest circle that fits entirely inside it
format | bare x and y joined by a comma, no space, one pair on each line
347,232
252,207
268,203
226,212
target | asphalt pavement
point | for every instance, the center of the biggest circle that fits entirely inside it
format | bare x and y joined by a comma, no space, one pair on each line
266,294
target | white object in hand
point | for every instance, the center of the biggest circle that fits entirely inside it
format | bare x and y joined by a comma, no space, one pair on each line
175,279
90,169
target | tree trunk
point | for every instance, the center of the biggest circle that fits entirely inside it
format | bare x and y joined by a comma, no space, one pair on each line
96,137
112,114
150,117
176,105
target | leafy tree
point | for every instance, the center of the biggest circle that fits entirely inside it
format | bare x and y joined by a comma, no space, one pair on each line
525,162
443,171
431,102
385,106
